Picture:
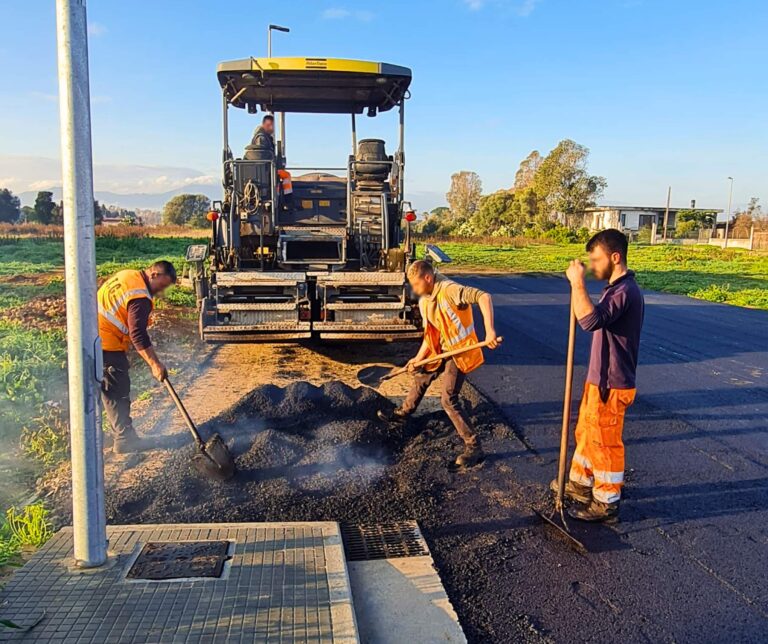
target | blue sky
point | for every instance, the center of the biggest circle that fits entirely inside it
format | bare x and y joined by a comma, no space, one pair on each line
662,92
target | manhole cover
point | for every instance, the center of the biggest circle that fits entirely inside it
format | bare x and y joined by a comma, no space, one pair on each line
383,541
180,559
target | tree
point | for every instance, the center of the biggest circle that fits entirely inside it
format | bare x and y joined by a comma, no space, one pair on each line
27,214
9,206
464,195
494,211
527,170
754,209
562,184
44,207
436,222
98,213
186,210
751,217
57,216
700,218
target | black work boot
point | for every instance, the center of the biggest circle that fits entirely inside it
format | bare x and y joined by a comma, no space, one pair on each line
396,417
574,491
471,456
129,443
595,511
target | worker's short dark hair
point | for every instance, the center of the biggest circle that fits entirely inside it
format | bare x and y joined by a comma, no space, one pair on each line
611,241
164,267
268,117
420,268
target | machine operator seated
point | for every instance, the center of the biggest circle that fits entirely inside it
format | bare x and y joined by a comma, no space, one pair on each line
262,147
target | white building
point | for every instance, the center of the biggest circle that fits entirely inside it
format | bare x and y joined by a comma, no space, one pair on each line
632,218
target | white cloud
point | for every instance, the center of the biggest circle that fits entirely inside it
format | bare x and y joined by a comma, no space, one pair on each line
42,173
527,7
44,184
341,13
522,8
96,29
336,13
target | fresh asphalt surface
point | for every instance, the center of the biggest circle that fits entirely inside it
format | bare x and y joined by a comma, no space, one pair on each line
688,562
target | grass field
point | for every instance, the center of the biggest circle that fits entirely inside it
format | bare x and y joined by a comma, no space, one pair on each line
32,340
731,276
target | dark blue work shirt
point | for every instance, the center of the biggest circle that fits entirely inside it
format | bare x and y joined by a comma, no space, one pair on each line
616,323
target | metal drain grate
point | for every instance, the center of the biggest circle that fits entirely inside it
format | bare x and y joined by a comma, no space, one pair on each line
180,560
383,541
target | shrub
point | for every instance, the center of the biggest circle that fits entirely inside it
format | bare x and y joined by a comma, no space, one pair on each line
563,235
31,526
46,437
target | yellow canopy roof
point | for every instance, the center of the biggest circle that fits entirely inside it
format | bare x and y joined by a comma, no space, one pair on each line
323,85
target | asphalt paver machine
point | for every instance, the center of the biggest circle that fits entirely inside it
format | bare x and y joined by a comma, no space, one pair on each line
328,260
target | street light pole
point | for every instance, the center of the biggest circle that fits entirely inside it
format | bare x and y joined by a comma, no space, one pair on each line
666,213
281,115
728,214
84,356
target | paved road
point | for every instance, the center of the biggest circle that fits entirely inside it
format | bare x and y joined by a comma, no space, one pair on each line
689,560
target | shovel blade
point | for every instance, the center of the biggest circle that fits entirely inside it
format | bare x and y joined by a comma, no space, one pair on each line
373,375
215,461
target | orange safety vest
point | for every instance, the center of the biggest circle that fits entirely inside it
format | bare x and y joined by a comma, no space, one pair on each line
113,297
285,181
455,328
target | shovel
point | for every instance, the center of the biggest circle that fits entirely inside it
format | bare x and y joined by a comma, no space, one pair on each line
374,375
562,526
213,459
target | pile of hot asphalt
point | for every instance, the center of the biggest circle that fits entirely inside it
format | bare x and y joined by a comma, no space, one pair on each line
303,452
318,453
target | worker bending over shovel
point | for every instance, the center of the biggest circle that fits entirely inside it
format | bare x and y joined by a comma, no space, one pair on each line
597,469
125,303
446,309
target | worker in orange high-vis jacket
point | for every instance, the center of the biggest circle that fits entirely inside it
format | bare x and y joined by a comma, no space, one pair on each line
285,186
446,310
597,469
125,302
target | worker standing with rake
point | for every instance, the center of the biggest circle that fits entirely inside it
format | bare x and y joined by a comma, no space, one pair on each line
446,308
597,468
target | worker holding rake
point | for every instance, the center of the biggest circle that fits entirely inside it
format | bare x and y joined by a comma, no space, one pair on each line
597,468
446,309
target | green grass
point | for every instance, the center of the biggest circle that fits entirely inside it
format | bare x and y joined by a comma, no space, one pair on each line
29,527
32,362
112,253
732,276
31,372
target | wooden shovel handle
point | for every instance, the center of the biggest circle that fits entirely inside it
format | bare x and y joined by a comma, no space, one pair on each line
442,356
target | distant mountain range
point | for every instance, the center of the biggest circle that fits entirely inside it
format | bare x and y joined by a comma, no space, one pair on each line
151,201
422,200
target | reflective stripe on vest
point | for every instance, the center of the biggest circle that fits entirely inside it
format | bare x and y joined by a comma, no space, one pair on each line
113,299
462,331
452,328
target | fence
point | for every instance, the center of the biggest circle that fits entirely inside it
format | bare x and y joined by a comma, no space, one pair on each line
760,240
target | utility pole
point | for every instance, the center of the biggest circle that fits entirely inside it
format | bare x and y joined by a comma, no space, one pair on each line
281,115
666,213
84,358
728,214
